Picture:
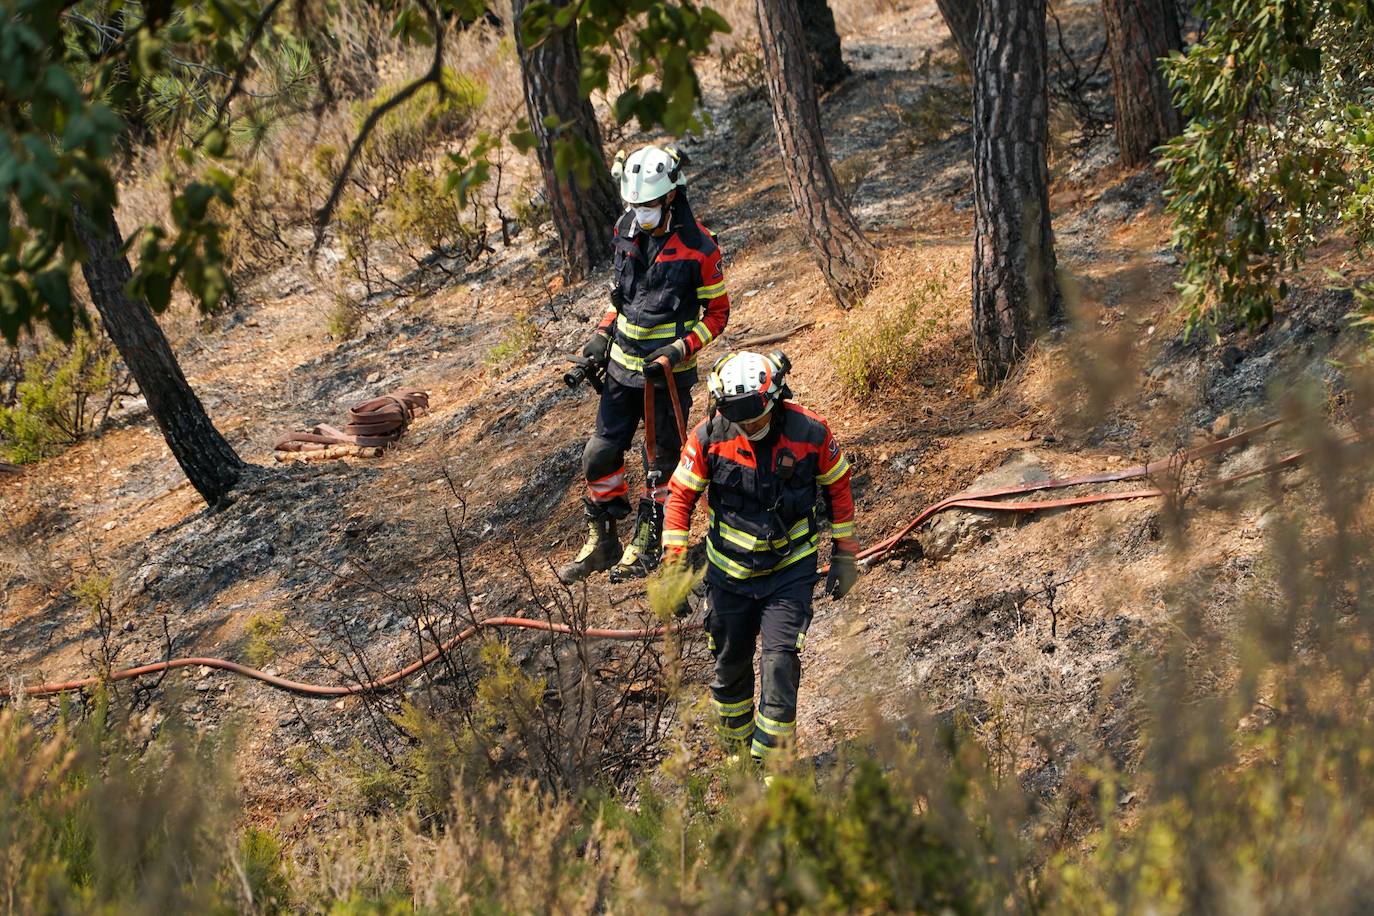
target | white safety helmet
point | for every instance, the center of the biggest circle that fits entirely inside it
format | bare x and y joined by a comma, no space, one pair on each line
747,385
647,174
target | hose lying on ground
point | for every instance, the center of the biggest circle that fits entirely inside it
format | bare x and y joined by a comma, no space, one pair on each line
372,424
988,500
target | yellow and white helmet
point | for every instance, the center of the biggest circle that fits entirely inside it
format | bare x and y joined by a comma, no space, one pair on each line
747,385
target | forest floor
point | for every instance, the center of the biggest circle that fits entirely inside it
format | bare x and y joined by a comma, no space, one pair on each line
336,550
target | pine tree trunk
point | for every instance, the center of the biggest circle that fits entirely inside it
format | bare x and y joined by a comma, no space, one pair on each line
1014,290
583,216
210,463
823,41
1139,33
846,258
961,16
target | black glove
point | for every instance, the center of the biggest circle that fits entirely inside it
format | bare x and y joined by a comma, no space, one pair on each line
844,572
617,297
597,347
674,351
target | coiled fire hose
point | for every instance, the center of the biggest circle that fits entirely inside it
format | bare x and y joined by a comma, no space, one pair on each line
988,499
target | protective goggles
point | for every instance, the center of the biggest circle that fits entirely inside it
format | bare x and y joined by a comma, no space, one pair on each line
741,408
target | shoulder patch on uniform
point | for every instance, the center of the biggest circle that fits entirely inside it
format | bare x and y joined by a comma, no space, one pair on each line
834,450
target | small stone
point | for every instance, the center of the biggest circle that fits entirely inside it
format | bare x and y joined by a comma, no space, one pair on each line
109,526
251,322
1223,425
202,686
374,377
858,627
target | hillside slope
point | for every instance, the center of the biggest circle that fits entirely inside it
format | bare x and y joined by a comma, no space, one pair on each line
1015,626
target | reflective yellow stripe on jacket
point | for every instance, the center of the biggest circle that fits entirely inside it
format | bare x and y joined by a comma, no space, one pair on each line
738,571
639,332
746,541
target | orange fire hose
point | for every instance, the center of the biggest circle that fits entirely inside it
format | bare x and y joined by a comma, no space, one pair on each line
650,434
988,499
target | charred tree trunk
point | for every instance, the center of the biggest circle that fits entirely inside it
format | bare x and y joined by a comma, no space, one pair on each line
1139,33
961,16
210,463
583,216
823,40
846,258
1014,290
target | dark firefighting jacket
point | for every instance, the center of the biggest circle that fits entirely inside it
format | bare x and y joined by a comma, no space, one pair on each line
763,525
664,297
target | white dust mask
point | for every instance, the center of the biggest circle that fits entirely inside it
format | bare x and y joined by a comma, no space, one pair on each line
648,217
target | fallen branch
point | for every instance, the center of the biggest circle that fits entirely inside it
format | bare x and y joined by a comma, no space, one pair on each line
750,342
330,453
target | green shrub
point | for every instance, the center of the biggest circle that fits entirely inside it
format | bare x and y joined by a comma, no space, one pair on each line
261,864
65,392
530,210
91,820
264,632
413,134
881,348
516,342
345,318
1277,152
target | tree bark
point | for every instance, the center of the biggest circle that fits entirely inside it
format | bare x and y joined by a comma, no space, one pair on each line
1014,290
823,41
846,258
210,463
961,16
1139,33
583,216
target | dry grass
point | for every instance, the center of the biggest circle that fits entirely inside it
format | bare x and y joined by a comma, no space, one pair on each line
909,330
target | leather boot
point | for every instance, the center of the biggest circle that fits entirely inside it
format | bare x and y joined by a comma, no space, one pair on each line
645,550
600,551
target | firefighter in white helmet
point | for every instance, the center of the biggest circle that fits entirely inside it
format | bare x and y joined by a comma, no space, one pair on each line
667,300
764,464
